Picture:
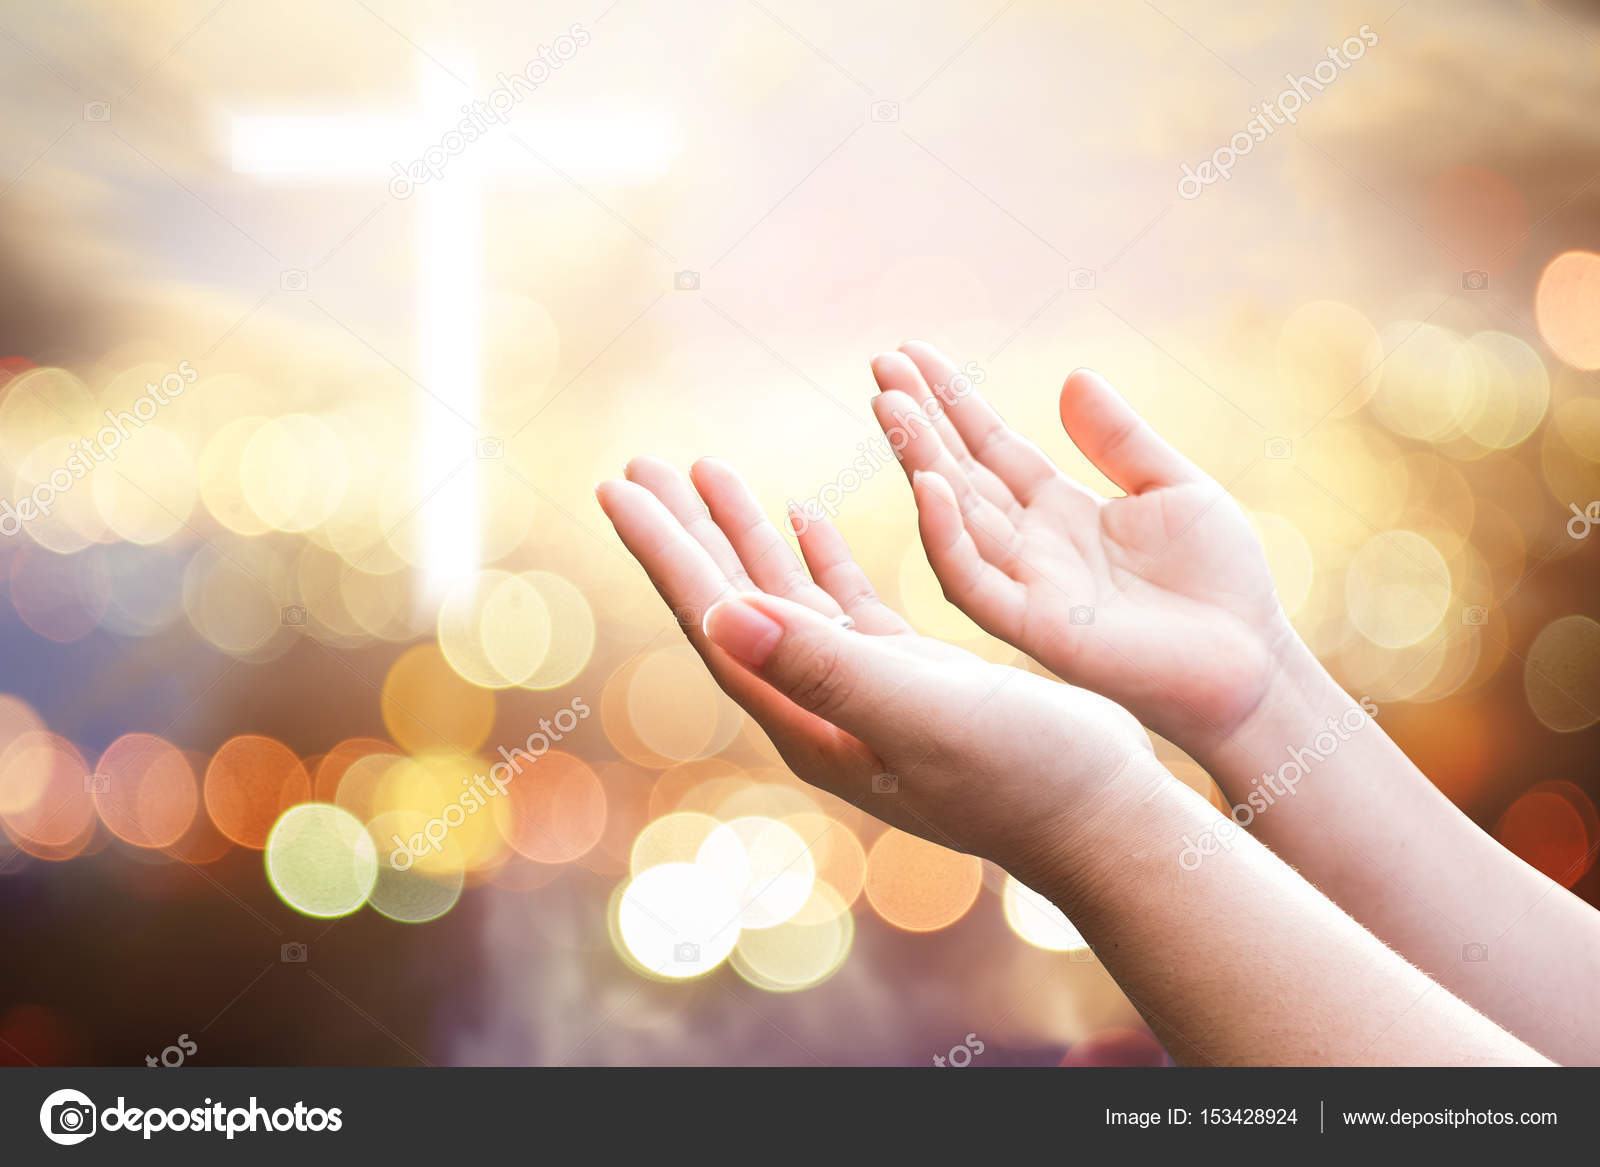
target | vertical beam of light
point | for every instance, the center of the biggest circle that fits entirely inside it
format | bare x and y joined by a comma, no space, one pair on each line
449,331
451,302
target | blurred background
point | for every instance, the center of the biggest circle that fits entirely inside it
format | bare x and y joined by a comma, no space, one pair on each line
318,322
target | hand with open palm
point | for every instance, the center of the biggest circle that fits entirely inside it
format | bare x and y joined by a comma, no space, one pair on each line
1160,599
985,758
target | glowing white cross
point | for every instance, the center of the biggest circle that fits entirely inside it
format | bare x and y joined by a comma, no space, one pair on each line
342,149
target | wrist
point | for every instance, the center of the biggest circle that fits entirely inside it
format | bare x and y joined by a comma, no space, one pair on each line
1300,701
1087,843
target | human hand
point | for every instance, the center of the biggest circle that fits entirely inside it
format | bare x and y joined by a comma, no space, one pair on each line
1160,599
1055,784
983,758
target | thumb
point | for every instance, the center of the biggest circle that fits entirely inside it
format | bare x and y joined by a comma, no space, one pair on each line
860,683
1121,444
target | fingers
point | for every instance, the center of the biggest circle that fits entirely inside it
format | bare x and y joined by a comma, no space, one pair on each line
914,437
1014,460
691,583
991,597
678,565
1119,442
864,685
921,449
828,556
663,480
763,552
895,373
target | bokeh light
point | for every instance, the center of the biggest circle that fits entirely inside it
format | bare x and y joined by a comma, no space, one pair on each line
1562,674
678,920
495,630
920,886
1567,307
148,796
321,860
1038,921
767,864
674,707
1397,588
1333,356
249,784
48,795
233,635
803,951
672,838
428,706
408,888
553,810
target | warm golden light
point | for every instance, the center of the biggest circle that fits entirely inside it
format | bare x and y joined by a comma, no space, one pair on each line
250,782
920,886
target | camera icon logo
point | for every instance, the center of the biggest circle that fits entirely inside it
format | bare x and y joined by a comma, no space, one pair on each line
97,111
686,616
293,953
1474,953
687,281
685,952
885,111
293,280
1475,281
1080,614
294,616
1474,615
490,448
67,1117
885,784
97,784
1278,449
1082,279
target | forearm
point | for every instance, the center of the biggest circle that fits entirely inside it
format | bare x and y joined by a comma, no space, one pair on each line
1348,809
1240,961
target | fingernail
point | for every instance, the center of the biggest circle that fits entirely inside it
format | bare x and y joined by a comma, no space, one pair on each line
743,631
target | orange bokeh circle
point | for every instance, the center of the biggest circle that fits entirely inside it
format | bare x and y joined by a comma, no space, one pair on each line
250,782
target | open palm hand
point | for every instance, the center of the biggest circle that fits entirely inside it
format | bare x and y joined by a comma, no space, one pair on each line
1160,599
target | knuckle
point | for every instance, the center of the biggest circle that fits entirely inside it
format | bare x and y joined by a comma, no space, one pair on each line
819,682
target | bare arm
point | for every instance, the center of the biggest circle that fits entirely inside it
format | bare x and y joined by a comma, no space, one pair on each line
1162,601
1369,828
1239,962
